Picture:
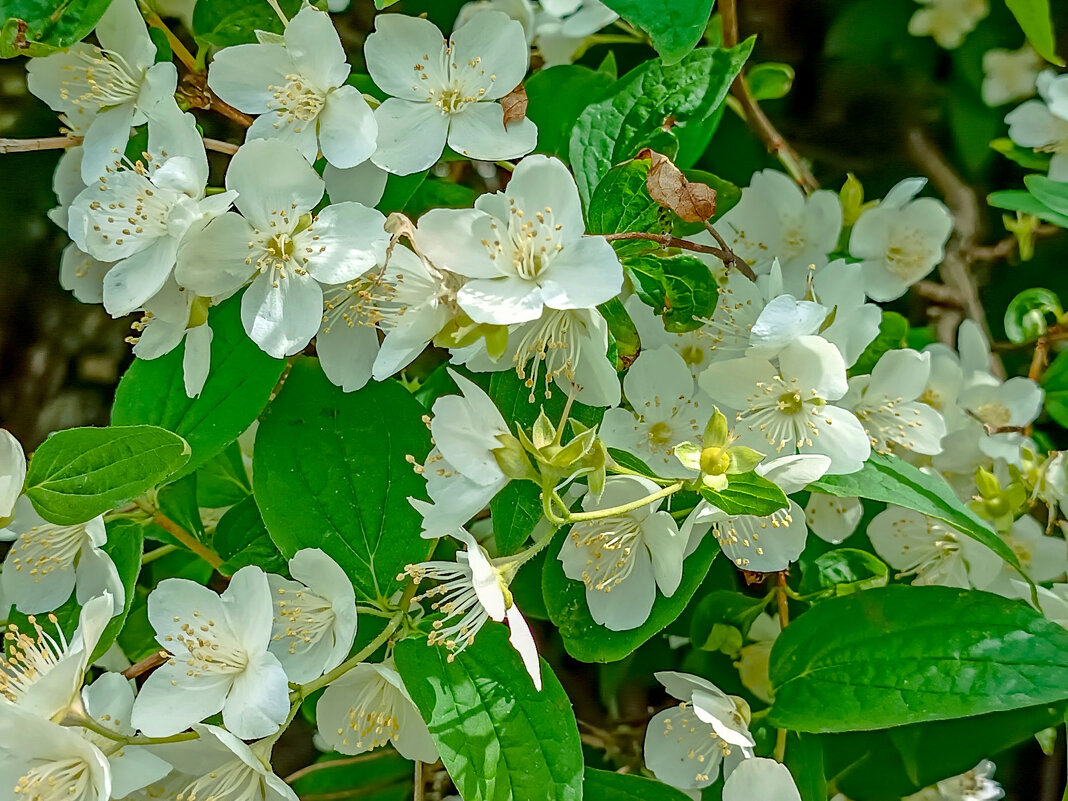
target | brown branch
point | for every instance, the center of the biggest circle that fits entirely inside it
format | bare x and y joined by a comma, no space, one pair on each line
62,142
186,539
727,256
150,662
740,264
755,117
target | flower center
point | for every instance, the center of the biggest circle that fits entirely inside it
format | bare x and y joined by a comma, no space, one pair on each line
306,617
373,716
659,435
47,548
932,399
994,414
202,648
454,99
63,780
693,355
791,402
909,257
99,79
282,249
552,342
463,614
609,544
296,102
706,749
26,660
234,781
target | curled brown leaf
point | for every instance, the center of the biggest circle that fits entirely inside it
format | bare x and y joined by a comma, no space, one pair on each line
692,201
515,105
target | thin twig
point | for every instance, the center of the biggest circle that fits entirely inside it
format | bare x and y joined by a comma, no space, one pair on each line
420,783
736,261
177,47
186,539
668,241
784,621
145,665
62,142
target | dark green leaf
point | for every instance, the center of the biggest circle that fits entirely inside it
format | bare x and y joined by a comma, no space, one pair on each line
80,473
638,105
624,333
515,511
1055,383
380,775
241,539
39,27
556,97
621,203
675,26
223,480
680,288
748,494
238,386
891,480
588,641
898,655
603,785
330,472
804,758
222,23
845,571
725,608
498,736
893,329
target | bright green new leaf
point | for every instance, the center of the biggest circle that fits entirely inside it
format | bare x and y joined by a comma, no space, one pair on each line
747,494
770,80
1025,317
674,26
499,737
330,471
898,655
1023,201
80,473
1037,24
893,328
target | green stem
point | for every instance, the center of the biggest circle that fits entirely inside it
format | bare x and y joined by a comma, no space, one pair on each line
158,553
304,690
626,471
184,537
612,511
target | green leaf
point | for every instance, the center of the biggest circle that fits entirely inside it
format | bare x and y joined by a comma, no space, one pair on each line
39,27
1024,156
241,539
898,655
679,288
638,105
804,758
330,472
747,494
603,785
556,97
80,473
500,738
1050,193
588,641
380,775
723,607
891,480
893,329
1025,317
674,26
1037,24
224,479
1055,383
237,388
515,511
845,571
624,333
1025,202
380,4
222,23
621,203
770,80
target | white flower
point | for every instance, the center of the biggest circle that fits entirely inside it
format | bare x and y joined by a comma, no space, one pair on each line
109,701
41,673
1013,404
774,220
685,746
171,315
470,592
1043,124
408,299
831,518
1009,74
567,347
314,616
888,406
138,216
276,241
947,21
666,411
43,761
920,546
522,11
771,543
447,91
369,707
622,559
791,407
900,240
365,183
760,778
524,249
82,275
839,288
975,785
695,347
48,561
12,472
218,765
297,86
116,87
1042,557
562,26
219,659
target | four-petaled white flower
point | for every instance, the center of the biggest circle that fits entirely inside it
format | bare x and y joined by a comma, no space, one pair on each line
447,91
462,473
369,707
947,21
138,215
791,408
277,242
622,559
48,561
314,616
831,518
696,348
523,249
106,91
900,240
1009,74
761,778
471,592
1042,557
12,472
851,324
170,316
1043,124
686,745
667,410
920,546
888,404
219,659
561,27
297,87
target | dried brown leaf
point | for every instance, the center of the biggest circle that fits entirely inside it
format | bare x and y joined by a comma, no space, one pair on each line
692,201
515,105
